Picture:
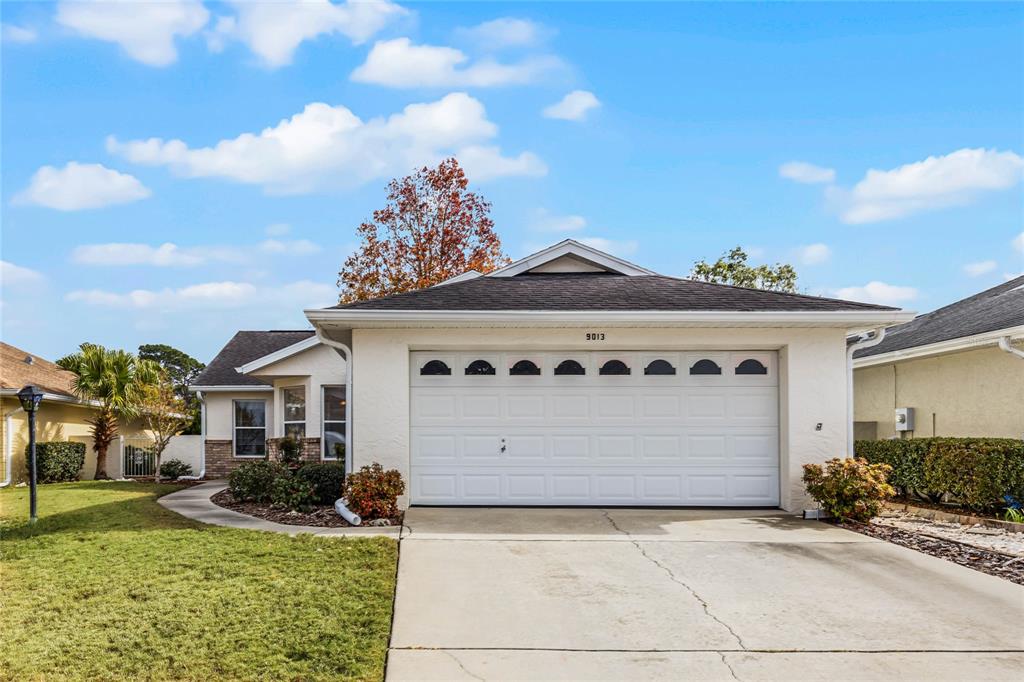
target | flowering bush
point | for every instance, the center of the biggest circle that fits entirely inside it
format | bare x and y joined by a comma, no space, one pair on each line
373,493
849,488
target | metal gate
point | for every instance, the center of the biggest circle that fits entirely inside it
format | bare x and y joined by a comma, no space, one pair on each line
137,458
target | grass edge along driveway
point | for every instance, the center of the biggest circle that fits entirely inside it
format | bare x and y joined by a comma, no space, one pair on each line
110,585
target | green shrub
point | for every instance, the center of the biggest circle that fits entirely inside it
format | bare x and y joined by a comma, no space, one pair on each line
849,488
174,469
327,480
292,493
254,481
373,493
975,472
57,461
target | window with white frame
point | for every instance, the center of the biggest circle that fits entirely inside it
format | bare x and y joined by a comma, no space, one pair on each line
294,400
334,438
250,426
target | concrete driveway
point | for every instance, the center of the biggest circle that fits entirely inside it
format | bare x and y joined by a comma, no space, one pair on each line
589,594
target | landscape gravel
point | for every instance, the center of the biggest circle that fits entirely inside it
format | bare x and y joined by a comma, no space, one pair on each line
997,539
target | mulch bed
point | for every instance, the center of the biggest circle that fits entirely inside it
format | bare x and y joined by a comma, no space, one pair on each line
1000,565
321,517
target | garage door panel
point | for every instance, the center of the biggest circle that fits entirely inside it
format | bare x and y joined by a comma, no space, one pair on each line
659,439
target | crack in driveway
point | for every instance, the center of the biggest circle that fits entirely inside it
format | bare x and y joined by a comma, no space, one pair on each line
674,578
463,667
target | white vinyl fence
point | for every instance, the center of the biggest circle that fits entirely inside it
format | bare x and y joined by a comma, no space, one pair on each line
134,456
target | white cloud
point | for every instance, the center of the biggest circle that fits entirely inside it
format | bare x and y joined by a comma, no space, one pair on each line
1018,242
400,64
79,186
573,107
171,255
274,30
210,296
807,173
146,31
328,147
618,248
278,229
298,247
545,221
814,254
12,275
18,34
505,32
878,292
937,182
164,255
980,268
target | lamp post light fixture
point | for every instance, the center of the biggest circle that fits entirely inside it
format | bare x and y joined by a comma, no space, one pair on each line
30,397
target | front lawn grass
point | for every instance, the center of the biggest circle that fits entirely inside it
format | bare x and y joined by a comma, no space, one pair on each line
110,585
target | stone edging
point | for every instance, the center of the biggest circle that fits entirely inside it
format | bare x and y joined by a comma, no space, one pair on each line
949,517
194,503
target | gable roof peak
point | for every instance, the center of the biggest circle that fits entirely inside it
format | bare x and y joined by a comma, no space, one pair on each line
570,249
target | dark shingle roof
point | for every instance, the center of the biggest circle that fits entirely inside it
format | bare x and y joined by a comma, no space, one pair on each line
997,308
600,292
242,348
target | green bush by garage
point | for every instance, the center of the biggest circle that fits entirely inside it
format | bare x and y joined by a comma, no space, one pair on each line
57,461
974,472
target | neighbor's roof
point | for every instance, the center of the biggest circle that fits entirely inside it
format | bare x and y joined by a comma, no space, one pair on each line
1000,307
19,368
242,348
599,292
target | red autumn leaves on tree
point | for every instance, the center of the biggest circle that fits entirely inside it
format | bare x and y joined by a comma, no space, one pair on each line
432,229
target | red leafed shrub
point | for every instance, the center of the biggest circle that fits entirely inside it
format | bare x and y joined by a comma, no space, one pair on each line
849,488
373,493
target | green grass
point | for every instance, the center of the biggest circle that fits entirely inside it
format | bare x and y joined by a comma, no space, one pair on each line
109,585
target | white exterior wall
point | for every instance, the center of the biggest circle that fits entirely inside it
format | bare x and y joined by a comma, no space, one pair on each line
188,449
812,383
310,369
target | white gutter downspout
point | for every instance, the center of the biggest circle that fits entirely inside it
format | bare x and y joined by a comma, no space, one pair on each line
1005,343
865,340
338,345
8,446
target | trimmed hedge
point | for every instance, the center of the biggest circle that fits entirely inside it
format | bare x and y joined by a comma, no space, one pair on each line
975,472
57,461
327,479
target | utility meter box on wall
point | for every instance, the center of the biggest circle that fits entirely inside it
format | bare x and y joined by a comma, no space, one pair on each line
904,418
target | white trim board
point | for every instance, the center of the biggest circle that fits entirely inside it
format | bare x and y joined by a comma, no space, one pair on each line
225,389
571,247
278,355
963,343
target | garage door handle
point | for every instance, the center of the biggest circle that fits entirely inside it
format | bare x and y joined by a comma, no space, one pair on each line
502,445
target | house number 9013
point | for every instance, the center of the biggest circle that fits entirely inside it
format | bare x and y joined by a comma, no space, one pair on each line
595,336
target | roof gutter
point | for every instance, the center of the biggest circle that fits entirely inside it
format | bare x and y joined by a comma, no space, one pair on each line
853,318
864,340
985,339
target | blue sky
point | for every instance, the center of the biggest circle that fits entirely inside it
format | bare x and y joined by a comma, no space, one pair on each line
176,171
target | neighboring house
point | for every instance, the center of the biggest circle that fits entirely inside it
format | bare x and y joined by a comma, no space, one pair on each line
62,415
960,368
570,377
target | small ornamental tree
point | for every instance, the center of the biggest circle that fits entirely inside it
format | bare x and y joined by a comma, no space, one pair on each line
432,229
732,269
164,414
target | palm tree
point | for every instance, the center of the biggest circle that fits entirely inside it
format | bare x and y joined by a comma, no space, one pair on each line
113,379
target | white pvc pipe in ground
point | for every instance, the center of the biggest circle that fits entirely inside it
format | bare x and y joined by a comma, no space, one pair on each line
346,513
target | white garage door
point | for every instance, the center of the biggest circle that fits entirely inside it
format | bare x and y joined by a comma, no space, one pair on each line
629,428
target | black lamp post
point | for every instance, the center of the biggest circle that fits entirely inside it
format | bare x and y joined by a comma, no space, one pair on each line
30,397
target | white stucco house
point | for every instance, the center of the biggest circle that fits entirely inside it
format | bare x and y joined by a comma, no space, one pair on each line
570,377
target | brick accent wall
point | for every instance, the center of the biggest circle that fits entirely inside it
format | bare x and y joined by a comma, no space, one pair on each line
310,451
220,462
